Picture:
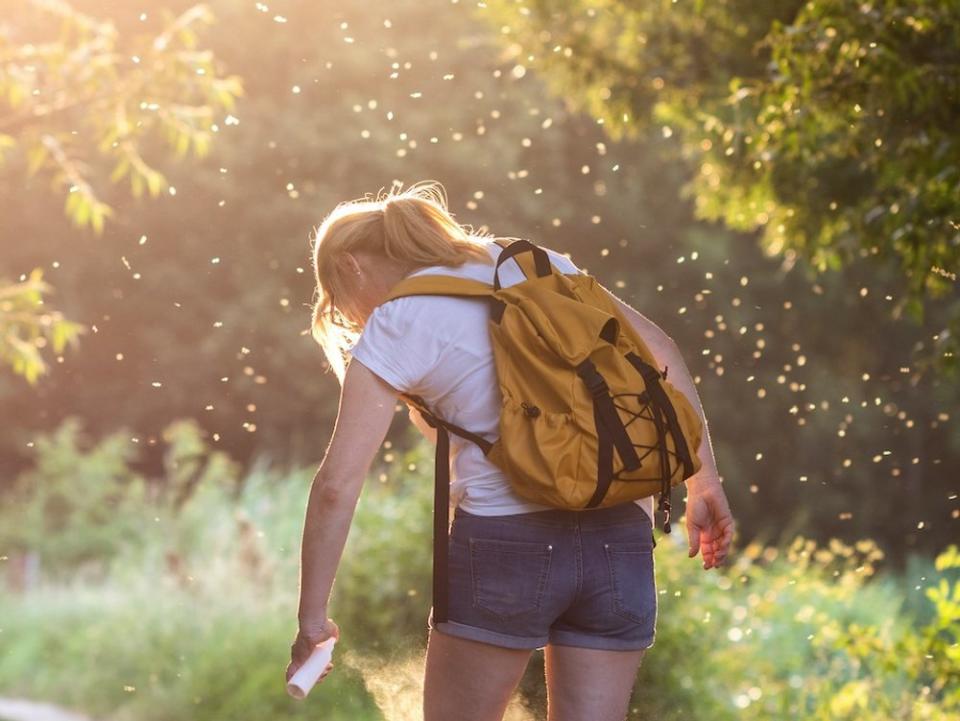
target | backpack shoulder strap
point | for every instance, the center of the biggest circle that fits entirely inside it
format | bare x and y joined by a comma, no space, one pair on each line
439,285
537,265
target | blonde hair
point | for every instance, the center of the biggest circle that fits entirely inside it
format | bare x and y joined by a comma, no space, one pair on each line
412,227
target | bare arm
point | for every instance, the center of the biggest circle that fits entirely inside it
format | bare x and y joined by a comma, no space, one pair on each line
366,410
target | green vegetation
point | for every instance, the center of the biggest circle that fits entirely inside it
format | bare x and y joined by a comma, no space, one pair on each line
828,126
182,604
147,541
27,327
78,96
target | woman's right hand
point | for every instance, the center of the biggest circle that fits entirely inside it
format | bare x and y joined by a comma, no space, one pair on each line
306,641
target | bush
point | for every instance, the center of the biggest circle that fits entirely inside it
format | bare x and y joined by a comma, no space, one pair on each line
153,650
77,505
83,504
194,604
803,633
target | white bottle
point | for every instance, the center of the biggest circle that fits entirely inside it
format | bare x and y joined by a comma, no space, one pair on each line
306,676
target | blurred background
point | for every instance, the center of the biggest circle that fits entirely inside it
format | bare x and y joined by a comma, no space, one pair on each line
777,185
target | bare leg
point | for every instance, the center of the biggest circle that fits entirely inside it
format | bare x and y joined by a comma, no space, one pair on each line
585,684
468,680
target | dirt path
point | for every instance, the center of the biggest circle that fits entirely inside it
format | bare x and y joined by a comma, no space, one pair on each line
16,709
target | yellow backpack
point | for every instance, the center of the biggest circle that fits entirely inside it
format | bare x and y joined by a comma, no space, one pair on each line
587,420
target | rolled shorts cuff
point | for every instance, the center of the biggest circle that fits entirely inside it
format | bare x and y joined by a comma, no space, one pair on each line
579,640
475,633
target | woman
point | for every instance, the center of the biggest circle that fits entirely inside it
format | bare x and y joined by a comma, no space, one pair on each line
592,611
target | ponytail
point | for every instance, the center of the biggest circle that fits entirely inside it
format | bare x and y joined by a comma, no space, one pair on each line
418,229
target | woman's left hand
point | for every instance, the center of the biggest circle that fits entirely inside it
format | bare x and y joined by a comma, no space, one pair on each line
710,524
306,641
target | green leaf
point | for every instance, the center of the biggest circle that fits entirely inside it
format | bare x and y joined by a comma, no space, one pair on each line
15,94
35,158
121,169
950,558
182,144
914,309
99,213
7,143
136,184
201,144
27,360
73,197
81,213
155,183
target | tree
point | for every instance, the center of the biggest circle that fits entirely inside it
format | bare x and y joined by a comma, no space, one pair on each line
88,100
94,96
828,126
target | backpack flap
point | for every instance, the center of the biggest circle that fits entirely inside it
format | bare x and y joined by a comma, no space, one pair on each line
572,329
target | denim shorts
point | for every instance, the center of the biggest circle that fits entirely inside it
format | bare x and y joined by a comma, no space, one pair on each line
569,578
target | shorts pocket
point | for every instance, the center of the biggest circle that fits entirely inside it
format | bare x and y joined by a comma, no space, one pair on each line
509,577
632,580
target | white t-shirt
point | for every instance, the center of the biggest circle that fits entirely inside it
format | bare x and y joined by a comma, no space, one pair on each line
438,347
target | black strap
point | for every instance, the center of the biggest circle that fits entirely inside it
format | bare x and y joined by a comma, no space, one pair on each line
666,472
652,378
484,444
540,258
441,526
662,403
606,412
610,331
604,461
434,421
441,501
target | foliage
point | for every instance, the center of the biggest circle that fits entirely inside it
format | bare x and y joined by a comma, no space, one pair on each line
27,327
806,632
94,96
828,125
84,502
803,631
150,649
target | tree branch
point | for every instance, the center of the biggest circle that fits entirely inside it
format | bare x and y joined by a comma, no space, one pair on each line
17,121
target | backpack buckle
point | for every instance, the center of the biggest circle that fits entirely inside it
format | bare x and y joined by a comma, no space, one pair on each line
599,389
592,379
